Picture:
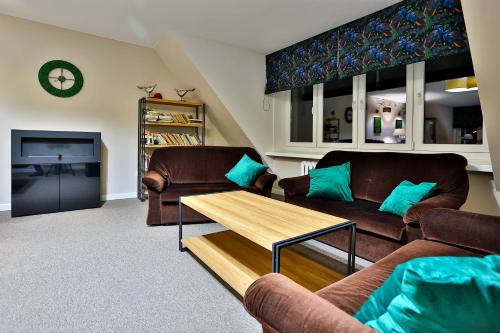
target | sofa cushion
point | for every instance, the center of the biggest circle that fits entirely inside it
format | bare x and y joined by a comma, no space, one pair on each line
331,183
406,195
246,171
177,190
375,174
351,292
365,213
437,294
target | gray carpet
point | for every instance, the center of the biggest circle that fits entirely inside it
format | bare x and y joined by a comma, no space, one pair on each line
103,270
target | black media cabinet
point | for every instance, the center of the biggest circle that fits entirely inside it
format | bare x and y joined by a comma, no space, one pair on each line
55,171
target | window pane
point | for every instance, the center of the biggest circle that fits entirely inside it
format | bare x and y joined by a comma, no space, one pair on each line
452,110
337,111
301,117
386,106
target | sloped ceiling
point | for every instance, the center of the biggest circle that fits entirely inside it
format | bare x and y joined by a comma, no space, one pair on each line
260,25
481,20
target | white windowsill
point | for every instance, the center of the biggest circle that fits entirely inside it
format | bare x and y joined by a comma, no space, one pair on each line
477,166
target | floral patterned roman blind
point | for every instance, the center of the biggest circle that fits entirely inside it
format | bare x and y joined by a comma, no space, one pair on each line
407,32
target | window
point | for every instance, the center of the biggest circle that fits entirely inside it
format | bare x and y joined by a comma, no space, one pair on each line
301,115
448,114
385,108
452,112
385,118
336,117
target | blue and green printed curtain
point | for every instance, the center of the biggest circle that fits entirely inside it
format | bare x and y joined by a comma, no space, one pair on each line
407,32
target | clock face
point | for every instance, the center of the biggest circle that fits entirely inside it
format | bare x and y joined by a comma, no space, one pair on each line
60,78
348,114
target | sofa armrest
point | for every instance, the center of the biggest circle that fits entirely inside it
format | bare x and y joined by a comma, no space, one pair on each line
265,181
445,200
295,186
284,306
153,180
473,231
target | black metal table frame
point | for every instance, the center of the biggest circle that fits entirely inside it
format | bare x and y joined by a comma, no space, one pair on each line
278,246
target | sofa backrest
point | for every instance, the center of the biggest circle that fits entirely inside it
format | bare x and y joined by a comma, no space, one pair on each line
191,165
375,174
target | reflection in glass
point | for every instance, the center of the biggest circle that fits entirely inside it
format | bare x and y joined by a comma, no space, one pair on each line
337,111
301,117
452,108
386,106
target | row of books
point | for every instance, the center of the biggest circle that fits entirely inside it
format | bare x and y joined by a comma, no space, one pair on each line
180,118
172,139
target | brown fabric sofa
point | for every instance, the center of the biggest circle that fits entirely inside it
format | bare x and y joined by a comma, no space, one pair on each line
178,171
373,177
283,306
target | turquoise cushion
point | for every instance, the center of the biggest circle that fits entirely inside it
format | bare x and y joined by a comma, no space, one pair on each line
331,183
406,195
437,294
246,171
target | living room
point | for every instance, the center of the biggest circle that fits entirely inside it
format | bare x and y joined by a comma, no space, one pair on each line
224,166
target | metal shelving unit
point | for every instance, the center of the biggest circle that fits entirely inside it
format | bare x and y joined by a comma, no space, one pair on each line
143,148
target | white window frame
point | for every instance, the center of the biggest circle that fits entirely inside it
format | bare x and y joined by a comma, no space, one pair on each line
419,110
320,119
288,118
408,145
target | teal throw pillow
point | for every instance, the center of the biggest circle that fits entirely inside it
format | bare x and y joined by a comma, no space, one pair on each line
331,183
406,195
437,294
246,171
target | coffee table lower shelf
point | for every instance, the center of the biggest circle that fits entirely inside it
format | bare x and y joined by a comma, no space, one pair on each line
239,262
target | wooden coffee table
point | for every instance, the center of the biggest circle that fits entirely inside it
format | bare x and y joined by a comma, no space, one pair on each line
260,229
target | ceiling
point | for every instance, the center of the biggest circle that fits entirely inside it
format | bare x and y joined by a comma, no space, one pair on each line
260,25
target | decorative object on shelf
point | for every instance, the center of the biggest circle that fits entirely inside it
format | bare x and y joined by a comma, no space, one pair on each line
348,115
158,96
166,128
377,125
386,109
60,78
183,92
148,89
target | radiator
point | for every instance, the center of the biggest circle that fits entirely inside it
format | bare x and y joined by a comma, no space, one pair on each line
306,166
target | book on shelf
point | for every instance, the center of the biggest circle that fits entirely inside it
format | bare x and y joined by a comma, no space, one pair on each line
181,118
171,139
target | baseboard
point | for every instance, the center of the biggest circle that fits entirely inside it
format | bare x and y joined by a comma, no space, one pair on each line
118,196
106,197
4,207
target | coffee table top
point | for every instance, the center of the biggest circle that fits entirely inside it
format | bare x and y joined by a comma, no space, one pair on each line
262,220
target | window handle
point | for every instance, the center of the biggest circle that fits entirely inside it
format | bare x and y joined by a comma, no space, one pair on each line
419,97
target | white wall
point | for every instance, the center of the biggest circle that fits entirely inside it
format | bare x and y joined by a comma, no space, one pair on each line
107,103
237,78
481,20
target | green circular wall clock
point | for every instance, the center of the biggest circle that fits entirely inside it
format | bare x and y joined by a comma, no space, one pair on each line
60,78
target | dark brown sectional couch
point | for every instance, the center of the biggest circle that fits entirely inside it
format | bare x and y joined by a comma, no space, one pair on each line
373,176
179,171
281,305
